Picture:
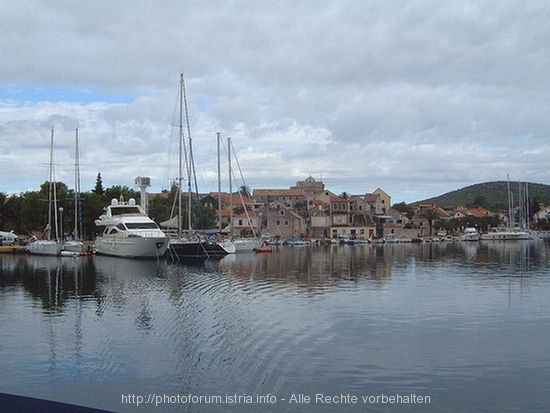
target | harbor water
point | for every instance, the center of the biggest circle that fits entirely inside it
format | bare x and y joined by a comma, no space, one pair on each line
440,327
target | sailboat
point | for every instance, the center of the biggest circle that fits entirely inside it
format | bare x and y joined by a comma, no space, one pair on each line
191,243
241,244
75,246
510,233
48,246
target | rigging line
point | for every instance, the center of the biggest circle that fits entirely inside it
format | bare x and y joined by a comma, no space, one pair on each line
191,164
245,187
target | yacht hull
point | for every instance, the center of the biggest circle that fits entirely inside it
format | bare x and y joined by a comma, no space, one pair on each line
199,249
132,247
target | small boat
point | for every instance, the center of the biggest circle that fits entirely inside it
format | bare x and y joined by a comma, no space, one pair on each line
390,239
376,239
263,250
296,241
129,232
470,234
7,238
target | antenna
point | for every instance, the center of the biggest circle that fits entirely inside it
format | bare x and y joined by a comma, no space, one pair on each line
143,182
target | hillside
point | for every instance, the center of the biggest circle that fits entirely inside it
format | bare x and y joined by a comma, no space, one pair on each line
491,195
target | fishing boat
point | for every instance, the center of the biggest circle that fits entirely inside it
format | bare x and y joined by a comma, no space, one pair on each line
129,232
191,243
48,246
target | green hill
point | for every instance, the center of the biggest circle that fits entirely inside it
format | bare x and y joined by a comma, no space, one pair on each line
491,195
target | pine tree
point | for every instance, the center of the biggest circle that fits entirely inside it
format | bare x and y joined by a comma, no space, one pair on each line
98,190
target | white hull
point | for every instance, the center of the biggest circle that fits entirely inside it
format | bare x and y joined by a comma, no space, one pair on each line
469,237
246,245
470,234
44,247
506,236
131,247
73,246
228,246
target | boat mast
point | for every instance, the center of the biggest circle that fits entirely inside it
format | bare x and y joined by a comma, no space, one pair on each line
230,188
77,205
180,171
249,221
510,223
219,186
50,189
190,162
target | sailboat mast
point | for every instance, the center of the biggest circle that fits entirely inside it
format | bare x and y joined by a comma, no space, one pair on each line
510,223
230,187
77,206
190,162
54,197
219,185
180,169
50,188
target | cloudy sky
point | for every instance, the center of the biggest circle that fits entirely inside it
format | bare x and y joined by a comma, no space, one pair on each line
418,98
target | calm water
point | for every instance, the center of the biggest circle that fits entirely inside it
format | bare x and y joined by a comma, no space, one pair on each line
464,326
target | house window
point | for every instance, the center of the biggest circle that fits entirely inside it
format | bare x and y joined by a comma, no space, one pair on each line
282,213
277,222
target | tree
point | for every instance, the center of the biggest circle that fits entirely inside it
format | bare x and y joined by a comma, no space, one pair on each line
479,201
344,195
431,216
34,211
116,191
406,209
98,190
3,198
11,214
245,191
160,206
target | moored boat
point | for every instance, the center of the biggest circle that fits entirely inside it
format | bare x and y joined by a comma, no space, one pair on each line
469,234
506,234
48,246
44,247
191,243
129,232
264,250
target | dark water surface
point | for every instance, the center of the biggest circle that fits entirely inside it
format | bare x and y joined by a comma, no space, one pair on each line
411,328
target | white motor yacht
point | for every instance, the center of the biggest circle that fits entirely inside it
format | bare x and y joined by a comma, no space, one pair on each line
129,232
470,234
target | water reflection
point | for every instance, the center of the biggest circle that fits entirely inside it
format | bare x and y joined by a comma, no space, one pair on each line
55,281
404,317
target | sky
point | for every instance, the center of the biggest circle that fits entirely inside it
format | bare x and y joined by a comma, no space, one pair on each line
417,98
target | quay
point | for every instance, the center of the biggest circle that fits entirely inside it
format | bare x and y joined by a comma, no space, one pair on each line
13,249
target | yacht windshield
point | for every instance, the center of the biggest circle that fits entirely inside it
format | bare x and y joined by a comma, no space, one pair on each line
141,225
119,210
